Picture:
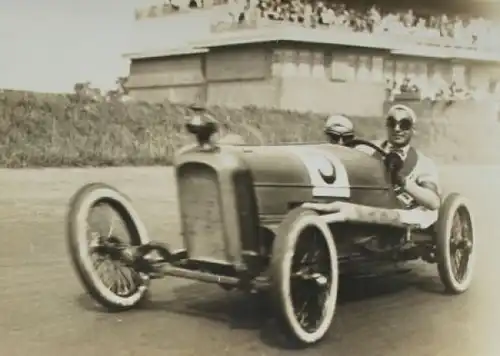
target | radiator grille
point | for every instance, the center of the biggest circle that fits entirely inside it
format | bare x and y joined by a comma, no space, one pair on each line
200,209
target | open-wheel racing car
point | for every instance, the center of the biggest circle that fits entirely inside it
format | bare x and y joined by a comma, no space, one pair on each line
244,227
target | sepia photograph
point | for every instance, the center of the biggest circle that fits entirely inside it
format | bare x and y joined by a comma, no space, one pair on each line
249,177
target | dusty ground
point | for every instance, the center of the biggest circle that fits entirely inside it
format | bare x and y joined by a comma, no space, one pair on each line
43,309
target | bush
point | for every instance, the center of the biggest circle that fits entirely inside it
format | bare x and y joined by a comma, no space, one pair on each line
52,130
45,130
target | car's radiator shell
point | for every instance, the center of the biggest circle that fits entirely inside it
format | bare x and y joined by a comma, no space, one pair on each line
218,210
201,213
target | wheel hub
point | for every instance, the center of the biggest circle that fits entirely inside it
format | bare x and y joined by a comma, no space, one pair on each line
308,275
465,245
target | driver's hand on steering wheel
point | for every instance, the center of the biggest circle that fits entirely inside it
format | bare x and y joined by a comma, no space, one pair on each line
394,163
398,179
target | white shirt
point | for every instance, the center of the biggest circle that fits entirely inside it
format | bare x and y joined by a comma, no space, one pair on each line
388,148
424,171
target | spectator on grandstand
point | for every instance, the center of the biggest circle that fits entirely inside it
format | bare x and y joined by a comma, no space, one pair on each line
323,14
391,90
456,92
437,87
406,86
193,4
373,18
409,87
408,19
236,10
390,86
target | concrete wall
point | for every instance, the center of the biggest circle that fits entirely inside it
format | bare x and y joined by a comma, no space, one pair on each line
251,62
290,78
277,75
261,93
179,79
184,94
238,77
357,99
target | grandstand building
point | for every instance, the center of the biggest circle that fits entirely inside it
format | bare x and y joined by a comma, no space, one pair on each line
239,54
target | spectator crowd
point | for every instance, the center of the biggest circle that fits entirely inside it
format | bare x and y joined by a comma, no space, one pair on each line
434,92
437,88
466,31
463,30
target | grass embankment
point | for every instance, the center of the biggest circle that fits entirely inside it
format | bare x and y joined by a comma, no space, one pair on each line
43,130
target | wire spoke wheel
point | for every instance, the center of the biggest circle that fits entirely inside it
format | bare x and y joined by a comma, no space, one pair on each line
311,278
455,244
106,230
304,276
101,226
461,244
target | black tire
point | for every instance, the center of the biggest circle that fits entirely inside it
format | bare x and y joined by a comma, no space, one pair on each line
80,206
454,205
284,248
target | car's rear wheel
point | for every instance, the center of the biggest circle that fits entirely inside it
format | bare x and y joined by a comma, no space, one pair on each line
455,244
304,276
97,215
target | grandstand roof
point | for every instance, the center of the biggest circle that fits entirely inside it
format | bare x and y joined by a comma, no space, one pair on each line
169,52
294,34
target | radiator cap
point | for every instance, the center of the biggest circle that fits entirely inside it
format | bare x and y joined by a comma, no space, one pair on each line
203,128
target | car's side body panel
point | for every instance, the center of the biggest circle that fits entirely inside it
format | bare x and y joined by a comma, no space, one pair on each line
232,197
285,176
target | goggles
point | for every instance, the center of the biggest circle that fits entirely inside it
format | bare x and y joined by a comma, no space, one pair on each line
404,124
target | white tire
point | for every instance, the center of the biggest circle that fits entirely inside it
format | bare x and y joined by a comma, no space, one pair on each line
80,207
290,231
455,207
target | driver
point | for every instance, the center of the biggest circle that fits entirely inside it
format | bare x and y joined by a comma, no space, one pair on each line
416,182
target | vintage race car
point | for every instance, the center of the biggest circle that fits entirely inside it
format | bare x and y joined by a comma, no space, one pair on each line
244,226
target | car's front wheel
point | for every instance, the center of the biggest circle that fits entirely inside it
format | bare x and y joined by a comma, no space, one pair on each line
304,276
98,218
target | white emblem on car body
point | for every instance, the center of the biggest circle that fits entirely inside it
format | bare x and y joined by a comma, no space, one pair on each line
327,173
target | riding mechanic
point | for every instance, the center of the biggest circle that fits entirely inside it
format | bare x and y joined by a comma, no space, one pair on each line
339,129
416,181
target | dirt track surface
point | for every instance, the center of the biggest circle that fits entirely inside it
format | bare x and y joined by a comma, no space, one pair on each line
44,311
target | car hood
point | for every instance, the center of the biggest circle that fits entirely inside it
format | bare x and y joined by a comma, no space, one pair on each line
298,165
275,165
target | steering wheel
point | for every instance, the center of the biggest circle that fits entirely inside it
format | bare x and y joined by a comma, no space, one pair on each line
357,142
392,160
